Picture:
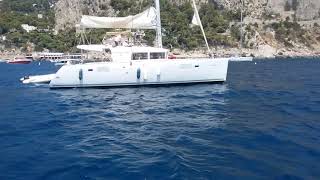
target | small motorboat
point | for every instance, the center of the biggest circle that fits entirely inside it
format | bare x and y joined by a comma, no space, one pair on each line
39,79
241,59
19,60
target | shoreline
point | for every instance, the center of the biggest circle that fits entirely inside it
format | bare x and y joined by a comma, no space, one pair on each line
222,53
263,52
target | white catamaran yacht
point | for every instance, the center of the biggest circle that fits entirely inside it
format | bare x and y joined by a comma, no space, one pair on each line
126,64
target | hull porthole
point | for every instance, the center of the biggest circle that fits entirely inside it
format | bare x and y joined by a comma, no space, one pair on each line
138,73
80,74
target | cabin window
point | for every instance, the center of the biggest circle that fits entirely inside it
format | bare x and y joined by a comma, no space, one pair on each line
139,56
157,55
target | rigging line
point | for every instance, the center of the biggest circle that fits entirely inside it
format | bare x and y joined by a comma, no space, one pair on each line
140,6
85,37
200,23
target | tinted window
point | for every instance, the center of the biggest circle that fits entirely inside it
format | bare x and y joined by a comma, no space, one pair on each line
160,55
139,56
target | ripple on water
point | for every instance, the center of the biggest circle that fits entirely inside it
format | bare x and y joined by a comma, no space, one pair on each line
261,124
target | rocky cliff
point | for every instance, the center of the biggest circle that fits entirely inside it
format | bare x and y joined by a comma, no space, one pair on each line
68,12
265,30
302,9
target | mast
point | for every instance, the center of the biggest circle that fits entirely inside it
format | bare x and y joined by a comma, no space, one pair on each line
241,28
159,34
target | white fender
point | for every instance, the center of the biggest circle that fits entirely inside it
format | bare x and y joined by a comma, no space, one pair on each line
145,75
158,72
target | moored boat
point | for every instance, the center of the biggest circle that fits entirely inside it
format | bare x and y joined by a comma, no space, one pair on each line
125,62
19,60
141,66
241,59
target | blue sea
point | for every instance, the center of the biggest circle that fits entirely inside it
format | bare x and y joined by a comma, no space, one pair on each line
263,123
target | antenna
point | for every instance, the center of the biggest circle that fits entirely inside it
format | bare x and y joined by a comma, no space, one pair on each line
241,28
159,34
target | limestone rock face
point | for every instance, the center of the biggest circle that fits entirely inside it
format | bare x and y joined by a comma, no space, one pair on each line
68,12
261,40
308,10
303,9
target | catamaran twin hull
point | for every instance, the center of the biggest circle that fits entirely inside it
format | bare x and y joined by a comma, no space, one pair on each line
141,72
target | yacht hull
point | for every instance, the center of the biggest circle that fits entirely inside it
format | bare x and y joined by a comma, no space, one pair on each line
144,72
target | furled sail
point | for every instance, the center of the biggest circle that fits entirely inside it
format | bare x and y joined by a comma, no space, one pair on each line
197,21
144,20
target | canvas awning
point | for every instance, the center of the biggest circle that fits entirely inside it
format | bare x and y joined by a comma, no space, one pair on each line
144,20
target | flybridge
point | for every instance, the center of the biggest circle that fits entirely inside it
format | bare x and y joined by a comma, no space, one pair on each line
126,53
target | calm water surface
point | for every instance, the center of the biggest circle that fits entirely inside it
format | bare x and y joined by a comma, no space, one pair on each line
263,123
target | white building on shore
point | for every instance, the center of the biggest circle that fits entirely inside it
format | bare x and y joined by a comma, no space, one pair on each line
28,28
47,55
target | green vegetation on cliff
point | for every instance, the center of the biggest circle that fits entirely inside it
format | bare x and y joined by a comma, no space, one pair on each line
288,32
176,20
16,12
